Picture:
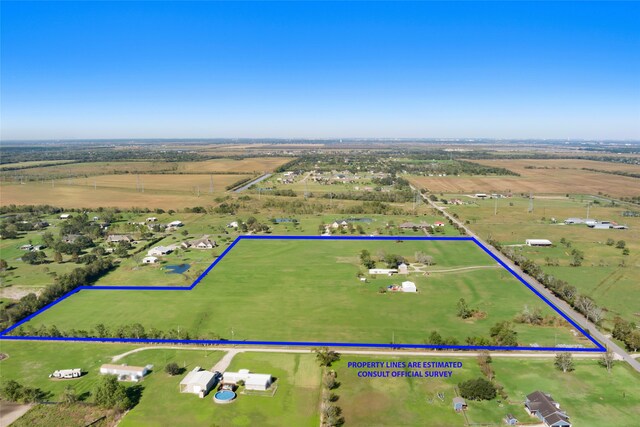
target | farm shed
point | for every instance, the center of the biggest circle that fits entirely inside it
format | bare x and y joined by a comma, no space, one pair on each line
403,269
409,287
198,382
459,404
538,242
149,260
65,216
126,373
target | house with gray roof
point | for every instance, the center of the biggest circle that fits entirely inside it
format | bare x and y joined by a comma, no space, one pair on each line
547,410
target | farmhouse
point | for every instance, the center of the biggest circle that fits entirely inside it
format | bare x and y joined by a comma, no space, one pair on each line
67,373
116,238
71,238
126,373
542,406
459,404
198,382
388,271
203,243
538,242
159,251
175,224
149,260
65,216
251,381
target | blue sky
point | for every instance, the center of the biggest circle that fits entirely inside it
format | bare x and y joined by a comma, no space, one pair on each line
320,70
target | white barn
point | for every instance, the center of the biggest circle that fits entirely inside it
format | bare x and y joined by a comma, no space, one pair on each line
126,373
251,381
198,382
538,242
149,260
409,287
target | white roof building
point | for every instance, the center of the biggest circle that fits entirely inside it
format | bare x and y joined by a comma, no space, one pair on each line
388,271
124,372
409,287
198,382
538,242
403,269
175,224
251,381
67,373
159,251
65,216
149,260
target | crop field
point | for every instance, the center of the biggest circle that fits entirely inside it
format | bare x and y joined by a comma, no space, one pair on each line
313,289
90,169
160,191
32,164
384,401
606,275
248,165
559,178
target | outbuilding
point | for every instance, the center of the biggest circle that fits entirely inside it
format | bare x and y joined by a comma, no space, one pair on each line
409,287
388,271
538,242
403,269
459,404
175,224
198,382
149,260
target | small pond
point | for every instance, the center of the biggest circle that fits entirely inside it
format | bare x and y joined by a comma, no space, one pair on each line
176,269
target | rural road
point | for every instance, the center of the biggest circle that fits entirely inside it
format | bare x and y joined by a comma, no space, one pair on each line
255,181
562,305
232,351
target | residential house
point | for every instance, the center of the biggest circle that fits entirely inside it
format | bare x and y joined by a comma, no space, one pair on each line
126,373
538,242
160,251
117,238
251,381
547,410
149,260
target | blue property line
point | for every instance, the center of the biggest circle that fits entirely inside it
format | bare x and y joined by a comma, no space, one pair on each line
542,297
3,334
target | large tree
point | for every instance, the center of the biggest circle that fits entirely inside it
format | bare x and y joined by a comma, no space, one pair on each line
109,393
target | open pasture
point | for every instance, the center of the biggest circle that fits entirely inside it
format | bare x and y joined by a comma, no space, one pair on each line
312,287
606,274
249,165
551,177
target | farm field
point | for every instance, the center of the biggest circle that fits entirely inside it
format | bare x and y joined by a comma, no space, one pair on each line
556,180
249,165
606,275
160,191
81,169
591,396
250,284
295,402
22,165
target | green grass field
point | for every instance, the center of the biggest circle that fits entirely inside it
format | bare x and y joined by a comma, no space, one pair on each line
295,402
283,290
591,396
601,275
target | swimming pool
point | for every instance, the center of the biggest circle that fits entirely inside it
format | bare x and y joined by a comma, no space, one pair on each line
224,396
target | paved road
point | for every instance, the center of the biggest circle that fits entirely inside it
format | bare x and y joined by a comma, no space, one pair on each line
563,306
255,181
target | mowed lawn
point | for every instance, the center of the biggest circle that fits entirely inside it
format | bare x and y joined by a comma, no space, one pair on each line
591,396
300,290
295,402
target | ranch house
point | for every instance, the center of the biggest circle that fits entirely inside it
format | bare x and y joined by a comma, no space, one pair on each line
149,260
126,373
547,410
251,381
159,251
